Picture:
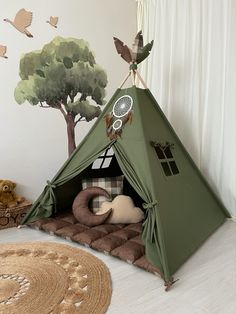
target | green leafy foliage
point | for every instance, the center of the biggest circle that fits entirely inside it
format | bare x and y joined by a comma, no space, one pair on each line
68,63
26,91
84,109
63,75
64,70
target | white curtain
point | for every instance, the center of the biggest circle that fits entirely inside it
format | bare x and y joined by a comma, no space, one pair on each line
192,73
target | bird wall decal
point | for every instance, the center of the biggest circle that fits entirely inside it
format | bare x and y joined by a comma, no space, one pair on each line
23,19
137,53
3,50
53,21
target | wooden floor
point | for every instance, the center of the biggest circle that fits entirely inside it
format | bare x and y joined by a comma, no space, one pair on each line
207,282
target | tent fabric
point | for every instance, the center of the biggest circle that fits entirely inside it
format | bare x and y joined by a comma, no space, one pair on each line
181,211
136,182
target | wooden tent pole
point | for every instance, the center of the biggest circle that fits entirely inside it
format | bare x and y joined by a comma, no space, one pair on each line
133,77
134,74
141,80
126,78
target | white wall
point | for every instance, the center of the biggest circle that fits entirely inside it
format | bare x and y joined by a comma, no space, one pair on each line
33,141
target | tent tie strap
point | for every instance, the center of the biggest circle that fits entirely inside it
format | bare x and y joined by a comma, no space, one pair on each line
133,66
50,185
149,205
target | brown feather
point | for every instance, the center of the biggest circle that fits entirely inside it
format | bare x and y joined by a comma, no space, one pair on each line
123,50
138,40
130,117
137,45
108,118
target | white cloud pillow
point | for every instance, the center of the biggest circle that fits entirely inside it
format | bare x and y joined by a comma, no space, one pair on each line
123,210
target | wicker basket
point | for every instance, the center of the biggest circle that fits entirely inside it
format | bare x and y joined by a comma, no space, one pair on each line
11,217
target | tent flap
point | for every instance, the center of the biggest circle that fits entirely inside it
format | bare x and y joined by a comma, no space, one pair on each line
136,177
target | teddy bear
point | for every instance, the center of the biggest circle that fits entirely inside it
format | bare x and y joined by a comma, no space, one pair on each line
8,198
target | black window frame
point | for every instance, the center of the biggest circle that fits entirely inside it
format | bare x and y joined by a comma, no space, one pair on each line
166,158
104,156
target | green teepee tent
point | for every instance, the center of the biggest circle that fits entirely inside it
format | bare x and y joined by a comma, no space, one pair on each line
181,210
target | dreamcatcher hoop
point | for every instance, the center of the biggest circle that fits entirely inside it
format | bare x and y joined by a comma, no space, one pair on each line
122,106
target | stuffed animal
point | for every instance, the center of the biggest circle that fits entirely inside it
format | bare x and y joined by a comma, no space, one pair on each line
8,198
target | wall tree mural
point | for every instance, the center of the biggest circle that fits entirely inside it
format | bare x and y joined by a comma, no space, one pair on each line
64,76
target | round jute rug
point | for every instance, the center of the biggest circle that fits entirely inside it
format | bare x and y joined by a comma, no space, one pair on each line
45,277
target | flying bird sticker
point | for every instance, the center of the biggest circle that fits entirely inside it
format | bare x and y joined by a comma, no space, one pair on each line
23,19
3,50
53,21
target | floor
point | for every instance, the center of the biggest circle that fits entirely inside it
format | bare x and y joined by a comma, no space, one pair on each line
207,282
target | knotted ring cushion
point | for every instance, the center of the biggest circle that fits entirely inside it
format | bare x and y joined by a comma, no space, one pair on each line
81,210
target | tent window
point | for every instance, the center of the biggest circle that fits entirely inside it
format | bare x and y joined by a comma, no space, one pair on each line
173,167
104,160
165,155
168,152
166,168
160,153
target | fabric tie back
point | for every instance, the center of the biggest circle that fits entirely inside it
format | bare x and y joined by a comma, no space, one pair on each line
149,205
51,185
51,188
151,239
48,203
44,207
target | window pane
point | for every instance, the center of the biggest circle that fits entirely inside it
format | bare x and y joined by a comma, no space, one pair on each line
159,152
168,152
97,163
107,162
166,168
110,152
174,167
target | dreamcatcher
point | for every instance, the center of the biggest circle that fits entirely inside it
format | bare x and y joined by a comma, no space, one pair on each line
121,114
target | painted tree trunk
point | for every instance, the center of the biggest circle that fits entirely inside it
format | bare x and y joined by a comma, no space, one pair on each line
70,121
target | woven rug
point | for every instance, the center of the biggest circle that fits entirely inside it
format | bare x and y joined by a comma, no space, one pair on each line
45,277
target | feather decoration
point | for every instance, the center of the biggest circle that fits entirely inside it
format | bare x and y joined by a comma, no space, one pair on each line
109,119
123,50
138,52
